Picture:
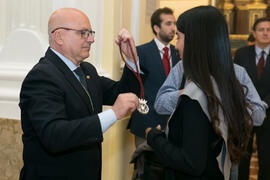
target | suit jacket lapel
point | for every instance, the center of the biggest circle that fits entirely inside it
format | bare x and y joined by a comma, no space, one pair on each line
266,66
252,63
92,90
52,57
175,57
157,59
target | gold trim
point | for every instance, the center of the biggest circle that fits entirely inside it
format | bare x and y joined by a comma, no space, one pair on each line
239,36
258,1
257,6
242,7
226,6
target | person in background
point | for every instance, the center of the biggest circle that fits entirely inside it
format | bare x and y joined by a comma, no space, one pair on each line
208,130
255,59
157,57
61,102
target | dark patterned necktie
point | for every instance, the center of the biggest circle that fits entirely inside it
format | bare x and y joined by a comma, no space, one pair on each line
81,75
260,65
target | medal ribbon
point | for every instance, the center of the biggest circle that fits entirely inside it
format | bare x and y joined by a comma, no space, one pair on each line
137,74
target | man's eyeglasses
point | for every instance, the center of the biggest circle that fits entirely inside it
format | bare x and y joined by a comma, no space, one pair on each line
263,29
84,33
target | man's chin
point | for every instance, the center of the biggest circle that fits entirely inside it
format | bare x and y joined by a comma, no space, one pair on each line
167,40
86,55
170,38
266,42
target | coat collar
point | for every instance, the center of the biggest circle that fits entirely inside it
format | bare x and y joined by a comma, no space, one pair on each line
70,77
156,55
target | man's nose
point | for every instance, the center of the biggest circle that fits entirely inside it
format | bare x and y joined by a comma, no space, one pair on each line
173,26
90,39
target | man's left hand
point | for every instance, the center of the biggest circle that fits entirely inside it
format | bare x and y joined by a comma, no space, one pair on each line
147,130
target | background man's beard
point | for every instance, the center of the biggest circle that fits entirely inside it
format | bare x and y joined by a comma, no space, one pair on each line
165,38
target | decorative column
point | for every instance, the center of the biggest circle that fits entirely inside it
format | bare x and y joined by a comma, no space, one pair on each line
268,8
241,18
247,13
227,8
256,9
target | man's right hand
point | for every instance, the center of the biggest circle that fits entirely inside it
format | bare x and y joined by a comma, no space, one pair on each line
127,102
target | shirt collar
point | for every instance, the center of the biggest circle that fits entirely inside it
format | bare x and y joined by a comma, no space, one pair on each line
259,50
160,45
68,62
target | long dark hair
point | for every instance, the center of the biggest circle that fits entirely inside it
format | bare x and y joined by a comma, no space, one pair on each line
207,53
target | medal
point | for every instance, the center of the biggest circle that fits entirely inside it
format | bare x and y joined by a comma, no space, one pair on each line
143,107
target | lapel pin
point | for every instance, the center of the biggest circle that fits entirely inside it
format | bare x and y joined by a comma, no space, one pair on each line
88,77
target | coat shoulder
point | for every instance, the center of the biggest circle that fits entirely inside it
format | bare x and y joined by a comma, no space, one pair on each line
146,46
244,49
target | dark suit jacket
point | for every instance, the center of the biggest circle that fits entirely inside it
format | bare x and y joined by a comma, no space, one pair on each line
154,75
192,146
62,133
246,57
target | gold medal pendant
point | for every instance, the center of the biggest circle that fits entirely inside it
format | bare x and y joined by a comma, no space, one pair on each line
143,107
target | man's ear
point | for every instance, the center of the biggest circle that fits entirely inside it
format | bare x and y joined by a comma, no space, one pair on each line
156,28
58,37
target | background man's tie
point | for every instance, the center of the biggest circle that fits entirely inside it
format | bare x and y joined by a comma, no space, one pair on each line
166,60
260,65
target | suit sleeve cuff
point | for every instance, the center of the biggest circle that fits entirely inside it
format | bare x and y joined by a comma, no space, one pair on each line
132,65
107,119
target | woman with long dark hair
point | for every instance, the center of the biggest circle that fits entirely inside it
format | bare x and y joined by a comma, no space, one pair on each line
209,129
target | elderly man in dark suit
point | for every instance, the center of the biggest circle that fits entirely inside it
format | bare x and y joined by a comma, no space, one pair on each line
61,103
257,63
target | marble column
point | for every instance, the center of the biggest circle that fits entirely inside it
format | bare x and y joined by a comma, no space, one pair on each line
227,7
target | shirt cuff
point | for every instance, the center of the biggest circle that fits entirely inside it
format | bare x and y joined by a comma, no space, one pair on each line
132,65
107,119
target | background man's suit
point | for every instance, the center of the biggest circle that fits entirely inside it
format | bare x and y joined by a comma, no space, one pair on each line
246,57
51,93
154,76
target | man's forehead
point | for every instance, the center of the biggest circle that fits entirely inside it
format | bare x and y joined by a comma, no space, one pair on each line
69,17
167,17
263,23
79,22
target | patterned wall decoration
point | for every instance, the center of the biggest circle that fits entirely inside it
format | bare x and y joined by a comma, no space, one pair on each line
10,149
240,16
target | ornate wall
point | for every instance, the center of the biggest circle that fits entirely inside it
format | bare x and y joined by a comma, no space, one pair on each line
241,14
